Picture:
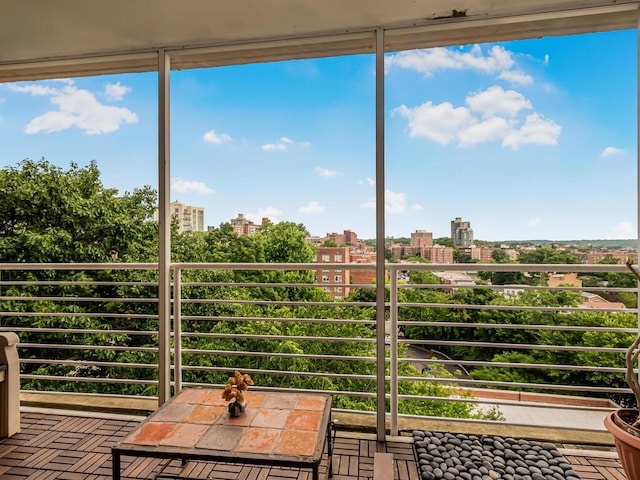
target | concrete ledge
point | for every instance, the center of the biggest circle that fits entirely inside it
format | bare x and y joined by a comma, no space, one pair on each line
346,421
127,405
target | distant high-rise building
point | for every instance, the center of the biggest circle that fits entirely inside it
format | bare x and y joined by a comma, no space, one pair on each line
461,233
243,226
421,239
190,218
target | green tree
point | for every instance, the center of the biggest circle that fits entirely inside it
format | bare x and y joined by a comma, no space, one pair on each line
48,215
547,254
502,278
444,241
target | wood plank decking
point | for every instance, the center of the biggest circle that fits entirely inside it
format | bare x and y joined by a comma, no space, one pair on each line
54,446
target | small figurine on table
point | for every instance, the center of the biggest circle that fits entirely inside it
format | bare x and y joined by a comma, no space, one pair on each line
233,392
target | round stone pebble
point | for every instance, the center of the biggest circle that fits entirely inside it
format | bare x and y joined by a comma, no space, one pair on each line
470,457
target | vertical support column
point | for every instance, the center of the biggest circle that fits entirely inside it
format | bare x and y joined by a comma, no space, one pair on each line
393,346
177,328
638,155
10,385
380,237
164,253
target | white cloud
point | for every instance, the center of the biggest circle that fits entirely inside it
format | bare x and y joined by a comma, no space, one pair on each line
417,207
325,172
394,202
432,60
440,123
491,115
368,180
179,185
76,107
516,76
271,213
115,91
546,59
33,89
370,204
623,229
534,221
283,144
217,138
313,207
495,101
611,151
488,130
274,146
536,129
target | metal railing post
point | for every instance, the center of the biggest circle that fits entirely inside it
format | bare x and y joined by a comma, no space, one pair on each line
177,328
164,241
380,237
393,347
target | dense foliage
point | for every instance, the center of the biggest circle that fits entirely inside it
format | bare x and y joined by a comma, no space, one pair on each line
67,216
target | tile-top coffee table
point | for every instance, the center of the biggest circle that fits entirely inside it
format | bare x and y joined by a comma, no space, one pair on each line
279,429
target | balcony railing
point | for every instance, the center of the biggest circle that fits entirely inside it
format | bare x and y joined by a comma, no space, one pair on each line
94,328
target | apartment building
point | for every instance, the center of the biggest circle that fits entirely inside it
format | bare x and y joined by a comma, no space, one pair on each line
461,233
622,256
336,281
333,280
363,277
190,218
437,254
347,237
421,239
243,226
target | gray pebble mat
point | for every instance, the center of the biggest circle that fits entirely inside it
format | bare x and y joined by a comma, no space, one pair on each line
469,457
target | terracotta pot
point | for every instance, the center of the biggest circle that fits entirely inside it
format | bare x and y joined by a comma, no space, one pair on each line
627,445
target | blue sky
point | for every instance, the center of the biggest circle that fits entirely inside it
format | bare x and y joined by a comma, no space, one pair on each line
531,139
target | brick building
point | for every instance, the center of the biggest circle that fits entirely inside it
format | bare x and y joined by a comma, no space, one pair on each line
243,226
421,239
333,280
337,280
347,237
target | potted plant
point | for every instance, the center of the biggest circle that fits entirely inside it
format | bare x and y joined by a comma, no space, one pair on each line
234,393
624,424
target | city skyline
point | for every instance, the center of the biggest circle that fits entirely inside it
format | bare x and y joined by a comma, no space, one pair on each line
532,139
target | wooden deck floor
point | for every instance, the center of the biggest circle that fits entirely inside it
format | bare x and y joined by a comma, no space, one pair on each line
73,447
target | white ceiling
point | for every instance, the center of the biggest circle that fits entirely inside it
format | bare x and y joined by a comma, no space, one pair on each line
66,37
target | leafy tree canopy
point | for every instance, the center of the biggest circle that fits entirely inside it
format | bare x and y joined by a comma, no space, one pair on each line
49,214
547,254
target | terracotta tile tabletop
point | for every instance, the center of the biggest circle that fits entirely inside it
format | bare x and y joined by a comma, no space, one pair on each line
196,423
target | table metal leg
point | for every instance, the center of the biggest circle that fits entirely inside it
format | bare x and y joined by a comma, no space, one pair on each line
331,437
115,465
